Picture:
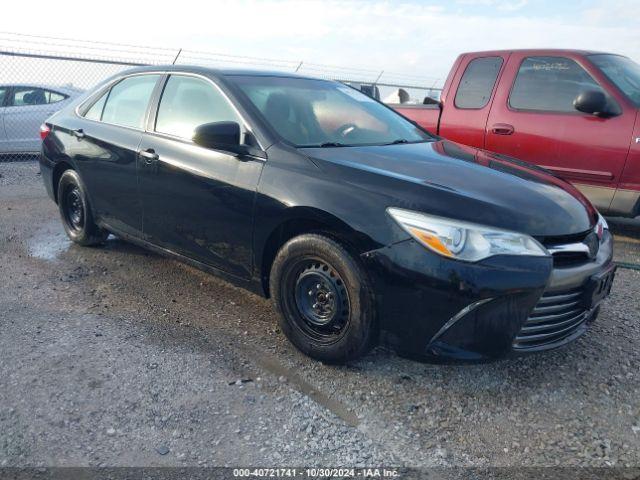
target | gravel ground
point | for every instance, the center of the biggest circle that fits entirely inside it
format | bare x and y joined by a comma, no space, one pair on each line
115,356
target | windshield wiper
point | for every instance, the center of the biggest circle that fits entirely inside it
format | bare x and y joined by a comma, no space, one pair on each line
398,141
332,144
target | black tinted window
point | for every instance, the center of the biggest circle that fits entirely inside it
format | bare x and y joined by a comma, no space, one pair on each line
127,102
549,84
189,102
477,82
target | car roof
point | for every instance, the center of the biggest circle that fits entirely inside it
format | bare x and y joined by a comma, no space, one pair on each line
541,51
57,88
221,72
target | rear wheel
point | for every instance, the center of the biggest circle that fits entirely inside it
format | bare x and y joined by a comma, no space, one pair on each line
75,211
324,299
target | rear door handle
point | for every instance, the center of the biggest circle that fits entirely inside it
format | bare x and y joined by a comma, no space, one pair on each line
149,155
502,129
79,133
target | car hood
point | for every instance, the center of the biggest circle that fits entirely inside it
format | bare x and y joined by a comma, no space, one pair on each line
452,180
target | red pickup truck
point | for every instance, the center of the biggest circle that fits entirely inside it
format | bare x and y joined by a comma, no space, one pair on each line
575,113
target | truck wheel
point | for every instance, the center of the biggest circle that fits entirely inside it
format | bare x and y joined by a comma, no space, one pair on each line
75,211
324,299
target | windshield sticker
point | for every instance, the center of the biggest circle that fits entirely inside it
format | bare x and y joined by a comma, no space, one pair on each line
551,66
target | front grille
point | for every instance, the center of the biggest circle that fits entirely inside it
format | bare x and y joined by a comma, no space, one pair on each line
556,317
569,259
572,250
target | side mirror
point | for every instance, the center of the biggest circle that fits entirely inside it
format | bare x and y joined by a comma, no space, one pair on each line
225,136
218,135
591,101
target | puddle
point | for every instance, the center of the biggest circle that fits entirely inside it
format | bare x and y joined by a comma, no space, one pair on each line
48,242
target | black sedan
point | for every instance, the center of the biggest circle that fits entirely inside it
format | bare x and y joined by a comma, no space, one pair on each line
361,227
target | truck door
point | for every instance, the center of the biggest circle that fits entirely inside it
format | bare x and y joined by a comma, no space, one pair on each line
533,118
465,113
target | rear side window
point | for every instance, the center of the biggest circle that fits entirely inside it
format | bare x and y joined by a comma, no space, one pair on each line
477,82
550,84
128,100
95,112
189,102
54,97
3,93
23,96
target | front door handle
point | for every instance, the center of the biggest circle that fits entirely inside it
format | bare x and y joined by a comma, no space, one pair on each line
149,155
502,129
78,133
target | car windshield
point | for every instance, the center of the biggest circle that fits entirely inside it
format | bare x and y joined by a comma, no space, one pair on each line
622,71
321,113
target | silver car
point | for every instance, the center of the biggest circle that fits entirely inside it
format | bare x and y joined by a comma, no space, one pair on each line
23,108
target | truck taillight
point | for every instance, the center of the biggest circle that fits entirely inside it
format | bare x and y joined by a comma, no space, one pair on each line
44,131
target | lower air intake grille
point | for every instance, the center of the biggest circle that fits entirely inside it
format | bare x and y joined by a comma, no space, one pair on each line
556,317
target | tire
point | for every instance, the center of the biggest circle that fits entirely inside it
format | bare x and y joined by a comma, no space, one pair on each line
324,299
75,211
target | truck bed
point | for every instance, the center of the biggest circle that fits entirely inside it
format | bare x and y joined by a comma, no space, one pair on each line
427,116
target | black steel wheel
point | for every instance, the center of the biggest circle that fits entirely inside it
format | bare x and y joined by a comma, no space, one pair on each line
73,208
324,298
75,211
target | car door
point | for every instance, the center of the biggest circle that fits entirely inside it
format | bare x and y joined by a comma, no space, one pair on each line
465,117
28,107
533,119
197,201
3,135
104,145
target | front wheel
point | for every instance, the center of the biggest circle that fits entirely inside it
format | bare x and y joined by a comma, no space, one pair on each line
324,299
75,211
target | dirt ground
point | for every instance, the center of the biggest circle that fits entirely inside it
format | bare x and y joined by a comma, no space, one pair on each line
115,356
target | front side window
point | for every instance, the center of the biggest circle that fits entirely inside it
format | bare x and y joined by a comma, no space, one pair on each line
188,102
127,102
550,84
623,72
477,82
35,96
309,112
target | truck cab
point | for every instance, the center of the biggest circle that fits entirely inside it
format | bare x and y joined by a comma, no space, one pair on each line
572,112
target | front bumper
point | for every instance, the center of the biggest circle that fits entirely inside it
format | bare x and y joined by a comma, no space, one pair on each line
440,309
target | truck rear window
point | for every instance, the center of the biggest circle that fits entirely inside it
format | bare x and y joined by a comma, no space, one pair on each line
477,82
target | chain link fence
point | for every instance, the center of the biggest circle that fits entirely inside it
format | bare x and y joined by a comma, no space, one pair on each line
40,75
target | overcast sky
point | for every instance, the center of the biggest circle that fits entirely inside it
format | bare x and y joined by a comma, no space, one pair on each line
406,37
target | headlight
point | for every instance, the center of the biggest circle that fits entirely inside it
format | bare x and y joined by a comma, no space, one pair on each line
462,240
601,226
